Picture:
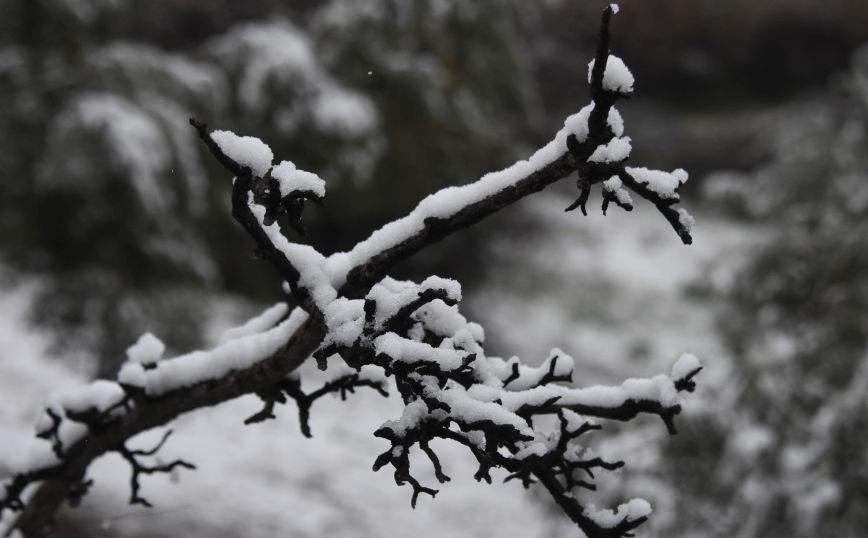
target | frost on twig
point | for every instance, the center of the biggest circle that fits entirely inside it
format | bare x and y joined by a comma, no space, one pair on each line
378,332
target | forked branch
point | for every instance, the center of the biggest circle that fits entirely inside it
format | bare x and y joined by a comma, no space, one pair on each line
383,332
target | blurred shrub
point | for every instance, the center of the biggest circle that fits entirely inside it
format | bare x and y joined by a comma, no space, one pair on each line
111,201
790,422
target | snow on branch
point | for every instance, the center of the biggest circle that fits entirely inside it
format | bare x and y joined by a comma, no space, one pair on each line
452,390
371,331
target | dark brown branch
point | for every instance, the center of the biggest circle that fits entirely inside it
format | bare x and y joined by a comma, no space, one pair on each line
138,468
292,388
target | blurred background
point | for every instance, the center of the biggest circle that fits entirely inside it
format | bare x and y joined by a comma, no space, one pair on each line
113,222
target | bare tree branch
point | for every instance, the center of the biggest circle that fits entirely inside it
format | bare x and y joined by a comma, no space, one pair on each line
427,377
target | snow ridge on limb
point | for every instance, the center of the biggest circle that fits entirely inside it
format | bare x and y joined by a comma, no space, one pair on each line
348,308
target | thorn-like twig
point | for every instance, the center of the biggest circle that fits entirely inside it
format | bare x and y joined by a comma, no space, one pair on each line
138,468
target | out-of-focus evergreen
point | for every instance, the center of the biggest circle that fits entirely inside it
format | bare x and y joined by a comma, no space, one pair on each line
105,192
780,448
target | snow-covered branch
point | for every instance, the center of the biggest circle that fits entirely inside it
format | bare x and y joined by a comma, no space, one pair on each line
352,317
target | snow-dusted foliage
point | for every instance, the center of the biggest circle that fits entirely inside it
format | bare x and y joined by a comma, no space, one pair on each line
790,440
280,82
374,331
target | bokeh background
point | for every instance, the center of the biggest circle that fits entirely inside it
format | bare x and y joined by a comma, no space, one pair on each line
113,222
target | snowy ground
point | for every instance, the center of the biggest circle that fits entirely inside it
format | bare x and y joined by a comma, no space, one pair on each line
611,292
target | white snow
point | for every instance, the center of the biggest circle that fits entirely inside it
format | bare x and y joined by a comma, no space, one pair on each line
663,183
630,511
577,124
530,376
469,410
615,8
686,219
413,413
448,201
616,150
247,151
533,448
236,354
99,395
148,349
309,263
253,459
450,286
615,121
659,389
617,77
292,179
410,351
685,365
345,319
446,320
615,186
132,374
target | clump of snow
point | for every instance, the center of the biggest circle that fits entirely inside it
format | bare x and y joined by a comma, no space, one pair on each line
615,8
413,413
615,186
665,184
577,124
450,286
616,150
390,296
686,219
615,121
534,448
148,349
410,351
292,179
617,77
686,364
483,393
468,410
629,511
345,319
99,395
529,376
247,151
132,374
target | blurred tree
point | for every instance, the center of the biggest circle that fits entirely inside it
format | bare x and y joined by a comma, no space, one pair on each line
93,99
782,450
